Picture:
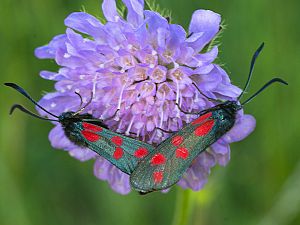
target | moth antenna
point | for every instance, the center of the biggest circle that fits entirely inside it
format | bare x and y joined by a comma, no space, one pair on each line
24,93
21,108
208,98
279,80
255,55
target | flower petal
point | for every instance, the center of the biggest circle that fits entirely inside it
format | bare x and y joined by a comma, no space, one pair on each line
194,178
57,103
79,43
206,22
220,147
49,51
63,58
177,36
208,82
204,59
110,10
86,23
223,159
205,159
82,154
155,21
51,75
118,180
135,14
241,129
225,88
59,140
196,175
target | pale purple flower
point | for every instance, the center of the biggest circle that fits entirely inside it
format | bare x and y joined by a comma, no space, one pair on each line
141,65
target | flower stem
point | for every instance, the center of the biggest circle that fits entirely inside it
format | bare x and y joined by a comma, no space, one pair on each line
183,207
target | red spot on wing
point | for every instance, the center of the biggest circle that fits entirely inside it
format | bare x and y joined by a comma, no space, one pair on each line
157,176
141,152
117,140
91,127
90,136
118,153
204,129
177,140
158,159
202,118
182,152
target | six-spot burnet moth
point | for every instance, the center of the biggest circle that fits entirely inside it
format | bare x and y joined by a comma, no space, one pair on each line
86,131
150,168
163,167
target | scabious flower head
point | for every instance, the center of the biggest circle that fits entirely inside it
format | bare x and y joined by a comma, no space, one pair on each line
141,66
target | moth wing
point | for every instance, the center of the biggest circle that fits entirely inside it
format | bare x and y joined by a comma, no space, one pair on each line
166,165
124,152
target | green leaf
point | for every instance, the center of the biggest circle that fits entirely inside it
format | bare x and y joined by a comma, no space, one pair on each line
153,6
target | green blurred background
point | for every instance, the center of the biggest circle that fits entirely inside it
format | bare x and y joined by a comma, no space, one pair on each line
261,184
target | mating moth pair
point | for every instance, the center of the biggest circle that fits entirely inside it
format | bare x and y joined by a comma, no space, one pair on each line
151,168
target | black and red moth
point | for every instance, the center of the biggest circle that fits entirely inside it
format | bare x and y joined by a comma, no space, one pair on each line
163,167
150,168
86,131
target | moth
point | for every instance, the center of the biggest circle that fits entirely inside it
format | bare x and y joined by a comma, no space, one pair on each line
86,131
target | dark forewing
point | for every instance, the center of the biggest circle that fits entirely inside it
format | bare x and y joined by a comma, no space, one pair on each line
166,165
124,152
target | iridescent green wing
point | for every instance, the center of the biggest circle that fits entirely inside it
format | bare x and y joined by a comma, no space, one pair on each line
164,167
122,151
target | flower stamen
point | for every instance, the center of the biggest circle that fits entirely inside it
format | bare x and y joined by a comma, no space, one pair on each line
129,126
120,98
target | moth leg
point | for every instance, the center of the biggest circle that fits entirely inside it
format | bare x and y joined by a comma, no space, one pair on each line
185,112
81,101
195,113
203,111
111,117
208,98
126,134
166,131
144,193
